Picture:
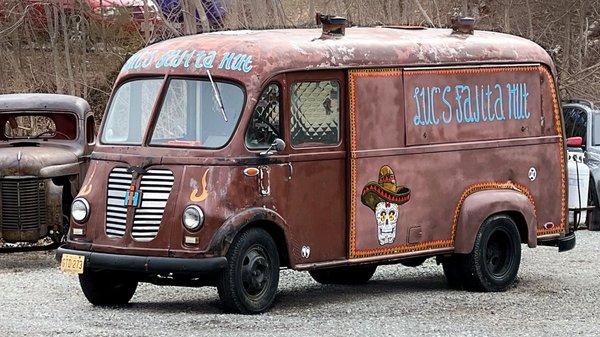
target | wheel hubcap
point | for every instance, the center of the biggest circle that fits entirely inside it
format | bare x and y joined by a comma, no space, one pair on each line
255,272
498,255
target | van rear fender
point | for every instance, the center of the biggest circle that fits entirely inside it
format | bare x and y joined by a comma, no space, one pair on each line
264,218
479,206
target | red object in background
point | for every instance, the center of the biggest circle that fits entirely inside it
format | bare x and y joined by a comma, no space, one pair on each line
96,10
575,142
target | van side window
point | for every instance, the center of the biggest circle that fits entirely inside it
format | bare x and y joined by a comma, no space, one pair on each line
264,125
315,115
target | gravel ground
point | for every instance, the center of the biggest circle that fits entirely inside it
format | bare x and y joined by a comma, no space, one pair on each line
556,294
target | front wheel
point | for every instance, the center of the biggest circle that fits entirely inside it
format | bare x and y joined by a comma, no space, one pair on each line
107,288
249,283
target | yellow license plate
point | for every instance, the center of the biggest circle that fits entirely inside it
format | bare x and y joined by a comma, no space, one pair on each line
72,263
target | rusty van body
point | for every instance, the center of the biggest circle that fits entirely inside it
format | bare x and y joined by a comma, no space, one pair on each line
225,156
44,144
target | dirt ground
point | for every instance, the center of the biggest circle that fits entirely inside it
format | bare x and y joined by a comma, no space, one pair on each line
557,294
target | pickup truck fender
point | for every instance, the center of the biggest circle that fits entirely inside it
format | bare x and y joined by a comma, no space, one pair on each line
479,206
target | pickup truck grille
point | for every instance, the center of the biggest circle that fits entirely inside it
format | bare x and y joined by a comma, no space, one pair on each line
23,204
119,182
155,185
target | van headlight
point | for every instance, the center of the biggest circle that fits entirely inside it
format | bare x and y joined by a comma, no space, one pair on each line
193,217
80,210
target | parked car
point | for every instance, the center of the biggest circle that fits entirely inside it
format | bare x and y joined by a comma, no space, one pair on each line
45,142
223,157
130,15
582,128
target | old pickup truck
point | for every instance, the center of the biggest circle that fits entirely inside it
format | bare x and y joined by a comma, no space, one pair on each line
45,141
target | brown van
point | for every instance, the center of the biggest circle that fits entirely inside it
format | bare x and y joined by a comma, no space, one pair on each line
224,157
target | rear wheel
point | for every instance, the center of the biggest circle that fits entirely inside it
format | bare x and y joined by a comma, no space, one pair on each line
494,262
344,275
107,288
454,270
249,283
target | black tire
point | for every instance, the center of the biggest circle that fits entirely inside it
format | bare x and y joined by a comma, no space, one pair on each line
594,214
107,288
249,283
344,275
493,264
414,262
454,270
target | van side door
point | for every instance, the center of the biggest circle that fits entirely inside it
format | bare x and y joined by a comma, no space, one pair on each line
314,115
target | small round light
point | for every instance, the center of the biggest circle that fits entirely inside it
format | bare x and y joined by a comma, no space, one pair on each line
80,210
193,217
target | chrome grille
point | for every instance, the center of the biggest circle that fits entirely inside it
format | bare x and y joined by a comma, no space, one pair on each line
23,204
156,186
119,181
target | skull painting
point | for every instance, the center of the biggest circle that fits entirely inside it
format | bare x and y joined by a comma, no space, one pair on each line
384,198
387,217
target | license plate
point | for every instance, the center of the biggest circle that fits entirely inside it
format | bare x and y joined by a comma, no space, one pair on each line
132,198
72,263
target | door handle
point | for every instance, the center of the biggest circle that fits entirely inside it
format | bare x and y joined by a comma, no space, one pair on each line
291,171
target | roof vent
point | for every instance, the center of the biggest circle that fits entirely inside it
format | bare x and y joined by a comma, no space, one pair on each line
463,25
333,26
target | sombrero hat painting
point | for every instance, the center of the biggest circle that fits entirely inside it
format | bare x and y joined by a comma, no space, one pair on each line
384,190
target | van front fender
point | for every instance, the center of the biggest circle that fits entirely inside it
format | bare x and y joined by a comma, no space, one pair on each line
479,206
264,217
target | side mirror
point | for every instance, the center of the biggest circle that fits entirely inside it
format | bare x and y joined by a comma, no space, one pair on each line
277,146
574,142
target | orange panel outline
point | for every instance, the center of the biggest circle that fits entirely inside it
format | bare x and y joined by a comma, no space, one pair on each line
448,243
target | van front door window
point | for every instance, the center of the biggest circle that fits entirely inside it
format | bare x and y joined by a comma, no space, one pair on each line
315,117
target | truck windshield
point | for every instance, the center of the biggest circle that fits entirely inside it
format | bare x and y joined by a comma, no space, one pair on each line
192,117
24,125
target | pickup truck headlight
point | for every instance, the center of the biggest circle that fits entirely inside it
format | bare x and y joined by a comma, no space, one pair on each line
80,210
193,217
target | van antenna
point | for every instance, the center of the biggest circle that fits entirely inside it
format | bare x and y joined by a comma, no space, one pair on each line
217,95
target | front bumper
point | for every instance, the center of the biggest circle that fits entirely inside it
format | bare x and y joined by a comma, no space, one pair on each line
146,264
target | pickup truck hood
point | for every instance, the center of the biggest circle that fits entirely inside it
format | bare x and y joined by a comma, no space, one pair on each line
43,161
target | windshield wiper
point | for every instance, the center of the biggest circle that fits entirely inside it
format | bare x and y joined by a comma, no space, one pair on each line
217,95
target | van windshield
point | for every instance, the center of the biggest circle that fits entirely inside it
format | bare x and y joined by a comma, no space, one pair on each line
129,111
191,114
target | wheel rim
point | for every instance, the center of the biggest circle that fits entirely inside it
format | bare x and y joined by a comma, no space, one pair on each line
256,269
498,254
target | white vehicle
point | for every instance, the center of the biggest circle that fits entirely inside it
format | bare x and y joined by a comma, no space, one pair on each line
582,129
